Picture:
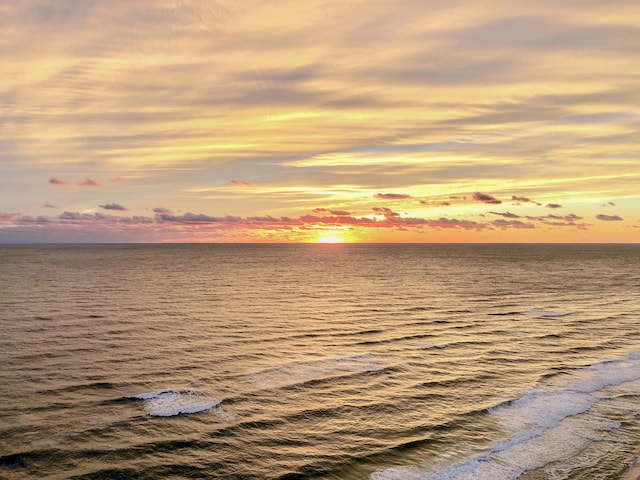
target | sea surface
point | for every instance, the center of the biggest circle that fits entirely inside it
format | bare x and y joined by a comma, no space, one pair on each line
380,362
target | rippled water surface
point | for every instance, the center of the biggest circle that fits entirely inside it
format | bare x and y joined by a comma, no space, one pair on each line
319,361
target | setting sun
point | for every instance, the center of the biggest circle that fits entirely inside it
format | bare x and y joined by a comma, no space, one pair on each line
330,238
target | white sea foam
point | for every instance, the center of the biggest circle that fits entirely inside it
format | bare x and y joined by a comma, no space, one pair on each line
168,403
550,423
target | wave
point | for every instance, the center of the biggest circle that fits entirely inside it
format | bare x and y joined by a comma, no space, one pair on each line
543,314
556,420
168,403
302,373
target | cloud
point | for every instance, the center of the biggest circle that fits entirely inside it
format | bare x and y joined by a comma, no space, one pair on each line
483,197
520,199
340,213
114,206
58,181
242,183
609,218
571,217
456,223
196,218
118,179
88,182
554,205
8,217
506,214
28,219
50,205
162,210
387,212
101,218
512,224
202,227
391,196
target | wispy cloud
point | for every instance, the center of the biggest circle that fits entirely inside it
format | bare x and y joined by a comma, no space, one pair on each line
609,218
392,196
88,182
58,181
114,206
484,198
162,210
506,214
241,183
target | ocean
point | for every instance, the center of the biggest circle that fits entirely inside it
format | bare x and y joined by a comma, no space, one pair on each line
379,362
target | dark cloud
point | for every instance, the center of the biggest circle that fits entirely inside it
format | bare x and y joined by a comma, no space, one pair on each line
483,197
391,196
569,220
58,181
196,218
340,213
88,182
609,218
190,224
506,214
114,206
520,199
28,219
554,205
101,218
49,205
162,210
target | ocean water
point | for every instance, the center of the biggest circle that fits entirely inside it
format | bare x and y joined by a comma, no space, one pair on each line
431,362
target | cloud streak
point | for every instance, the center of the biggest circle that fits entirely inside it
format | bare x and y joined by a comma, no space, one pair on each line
58,181
114,206
88,182
609,218
392,196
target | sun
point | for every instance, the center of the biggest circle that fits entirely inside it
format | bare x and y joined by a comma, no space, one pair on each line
330,238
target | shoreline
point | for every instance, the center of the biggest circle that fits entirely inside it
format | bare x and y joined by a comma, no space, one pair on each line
633,473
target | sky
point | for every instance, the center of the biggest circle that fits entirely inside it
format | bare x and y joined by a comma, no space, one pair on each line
319,121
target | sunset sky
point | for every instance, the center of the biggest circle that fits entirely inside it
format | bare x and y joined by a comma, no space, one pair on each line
319,120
